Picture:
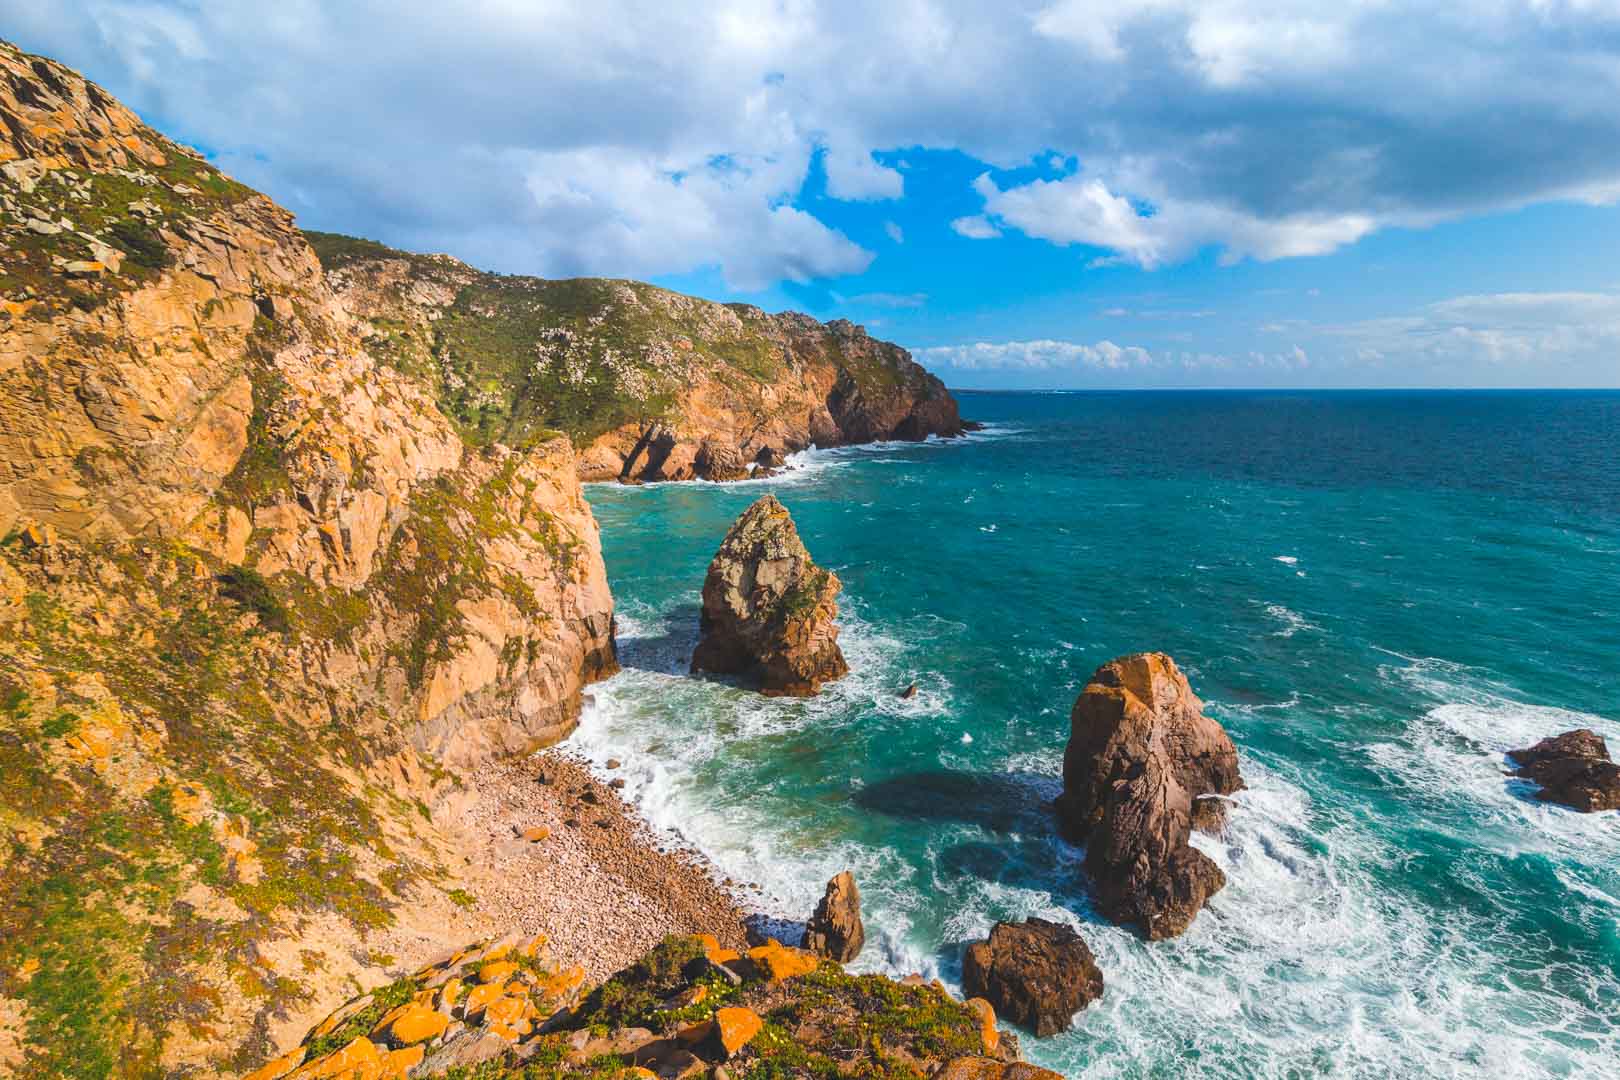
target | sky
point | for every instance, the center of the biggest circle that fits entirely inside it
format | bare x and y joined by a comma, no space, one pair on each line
1054,194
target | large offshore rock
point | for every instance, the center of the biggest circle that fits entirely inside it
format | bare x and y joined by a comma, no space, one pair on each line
1141,763
836,930
1036,973
768,609
1574,770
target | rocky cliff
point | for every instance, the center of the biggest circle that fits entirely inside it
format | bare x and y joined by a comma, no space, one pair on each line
649,384
261,600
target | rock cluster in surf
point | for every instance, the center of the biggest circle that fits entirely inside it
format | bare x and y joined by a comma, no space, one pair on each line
768,609
1036,973
1140,767
1574,770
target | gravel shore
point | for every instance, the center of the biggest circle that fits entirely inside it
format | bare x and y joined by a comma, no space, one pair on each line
600,883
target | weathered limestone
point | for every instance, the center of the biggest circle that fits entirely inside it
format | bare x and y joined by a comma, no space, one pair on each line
1574,770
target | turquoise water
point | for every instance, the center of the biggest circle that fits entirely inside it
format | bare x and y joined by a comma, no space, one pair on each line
1377,594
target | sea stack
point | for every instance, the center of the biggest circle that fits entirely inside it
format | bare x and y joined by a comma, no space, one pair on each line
1574,770
769,611
835,930
1141,765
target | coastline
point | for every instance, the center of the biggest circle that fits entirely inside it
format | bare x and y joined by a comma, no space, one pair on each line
603,885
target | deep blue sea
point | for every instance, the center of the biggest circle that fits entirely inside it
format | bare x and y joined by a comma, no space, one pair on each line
1376,593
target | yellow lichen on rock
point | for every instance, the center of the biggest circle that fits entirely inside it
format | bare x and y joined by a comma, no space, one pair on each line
780,962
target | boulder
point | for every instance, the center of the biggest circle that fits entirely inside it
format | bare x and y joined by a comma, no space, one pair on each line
1574,770
1037,974
768,610
835,930
1141,766
720,462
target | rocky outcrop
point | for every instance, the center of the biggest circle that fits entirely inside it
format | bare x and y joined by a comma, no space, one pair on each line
650,384
686,1009
835,930
1574,770
260,596
1140,772
768,610
1037,974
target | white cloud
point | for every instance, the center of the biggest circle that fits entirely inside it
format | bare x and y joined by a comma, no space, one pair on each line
887,300
976,227
1082,210
1533,334
894,232
496,129
857,176
1042,355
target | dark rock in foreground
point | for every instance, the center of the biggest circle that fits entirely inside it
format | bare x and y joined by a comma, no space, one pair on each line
1574,770
836,930
1037,974
768,610
1141,763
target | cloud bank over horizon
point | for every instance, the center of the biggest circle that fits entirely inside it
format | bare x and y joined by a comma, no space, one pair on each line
751,140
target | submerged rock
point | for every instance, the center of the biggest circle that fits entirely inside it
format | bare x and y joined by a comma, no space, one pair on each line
1141,765
1037,974
1574,770
768,610
835,930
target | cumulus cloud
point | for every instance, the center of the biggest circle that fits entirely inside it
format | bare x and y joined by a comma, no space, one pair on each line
636,137
1042,355
1529,335
976,227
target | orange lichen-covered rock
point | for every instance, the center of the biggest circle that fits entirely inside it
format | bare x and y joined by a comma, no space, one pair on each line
480,996
361,1054
497,972
780,962
986,1013
412,1023
278,1068
736,1027
397,1064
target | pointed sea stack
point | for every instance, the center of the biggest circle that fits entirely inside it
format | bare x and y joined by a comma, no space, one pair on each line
1141,762
768,610
836,930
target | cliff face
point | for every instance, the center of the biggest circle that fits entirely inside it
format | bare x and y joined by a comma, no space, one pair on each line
649,384
259,600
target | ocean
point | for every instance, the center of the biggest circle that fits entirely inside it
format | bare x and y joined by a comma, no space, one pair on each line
1376,593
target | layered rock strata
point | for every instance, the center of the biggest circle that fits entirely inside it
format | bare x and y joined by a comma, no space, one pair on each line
769,612
1143,768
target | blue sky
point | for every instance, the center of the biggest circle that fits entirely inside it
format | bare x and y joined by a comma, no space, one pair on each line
1052,193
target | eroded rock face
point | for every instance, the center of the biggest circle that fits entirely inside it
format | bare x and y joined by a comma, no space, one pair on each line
681,388
1140,766
836,929
279,569
1574,770
1036,973
768,610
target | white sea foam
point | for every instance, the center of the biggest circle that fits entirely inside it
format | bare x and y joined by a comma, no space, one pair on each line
1456,750
1292,621
1288,560
1304,965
